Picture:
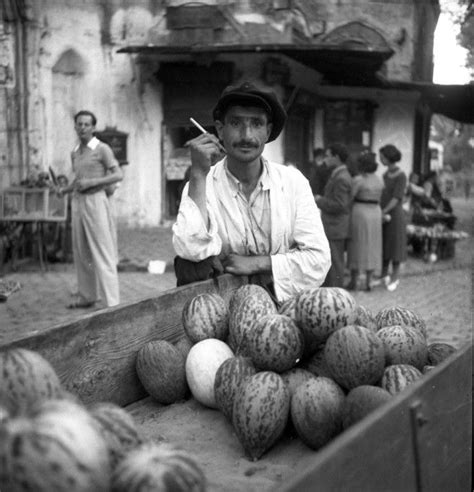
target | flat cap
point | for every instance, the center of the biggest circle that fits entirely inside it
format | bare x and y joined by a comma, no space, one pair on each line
248,94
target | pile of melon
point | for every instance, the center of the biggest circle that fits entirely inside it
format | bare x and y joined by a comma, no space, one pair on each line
317,364
51,442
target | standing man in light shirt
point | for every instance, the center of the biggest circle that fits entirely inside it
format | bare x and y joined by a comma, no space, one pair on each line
93,240
257,217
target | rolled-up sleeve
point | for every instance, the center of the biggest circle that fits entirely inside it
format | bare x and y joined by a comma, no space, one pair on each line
191,238
307,262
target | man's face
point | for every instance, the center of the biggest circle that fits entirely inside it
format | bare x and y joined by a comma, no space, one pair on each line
245,132
331,159
84,127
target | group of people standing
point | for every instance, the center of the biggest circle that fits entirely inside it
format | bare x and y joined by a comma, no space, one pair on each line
363,215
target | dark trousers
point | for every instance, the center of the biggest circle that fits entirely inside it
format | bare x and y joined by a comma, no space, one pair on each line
335,276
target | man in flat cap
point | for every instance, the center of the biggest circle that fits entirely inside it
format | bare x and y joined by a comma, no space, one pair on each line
257,217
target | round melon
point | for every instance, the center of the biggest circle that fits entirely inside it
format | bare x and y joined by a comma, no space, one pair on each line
229,379
59,448
260,412
361,401
243,319
202,363
161,369
244,291
404,345
398,376
206,316
118,429
438,352
275,343
364,317
158,467
400,316
316,411
295,377
26,378
354,356
321,311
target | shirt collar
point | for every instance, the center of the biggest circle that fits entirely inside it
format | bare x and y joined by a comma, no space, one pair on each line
92,144
263,181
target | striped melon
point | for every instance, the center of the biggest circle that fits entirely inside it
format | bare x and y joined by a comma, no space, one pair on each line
242,321
361,401
202,363
316,411
59,448
244,291
260,412
205,316
158,467
295,377
118,429
26,378
400,316
365,317
316,364
439,351
288,307
275,343
398,376
404,345
354,356
321,311
184,345
229,378
161,369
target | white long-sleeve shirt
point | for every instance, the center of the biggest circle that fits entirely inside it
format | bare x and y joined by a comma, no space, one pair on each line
298,247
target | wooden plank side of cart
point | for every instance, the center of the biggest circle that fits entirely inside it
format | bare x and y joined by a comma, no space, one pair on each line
420,441
95,356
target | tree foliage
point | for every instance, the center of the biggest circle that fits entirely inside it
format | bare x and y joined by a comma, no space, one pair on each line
461,13
458,142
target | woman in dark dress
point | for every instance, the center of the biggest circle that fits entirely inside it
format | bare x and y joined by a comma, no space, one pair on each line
394,227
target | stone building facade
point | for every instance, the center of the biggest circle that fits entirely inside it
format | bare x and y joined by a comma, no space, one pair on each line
342,68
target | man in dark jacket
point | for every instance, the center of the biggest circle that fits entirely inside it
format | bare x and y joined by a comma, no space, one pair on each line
335,206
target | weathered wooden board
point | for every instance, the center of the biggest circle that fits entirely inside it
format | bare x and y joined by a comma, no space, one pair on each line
95,356
379,454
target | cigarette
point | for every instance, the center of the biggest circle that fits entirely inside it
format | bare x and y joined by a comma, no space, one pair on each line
197,125
203,130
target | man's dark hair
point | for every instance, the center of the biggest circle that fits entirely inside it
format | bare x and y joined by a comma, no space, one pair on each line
84,112
318,152
340,150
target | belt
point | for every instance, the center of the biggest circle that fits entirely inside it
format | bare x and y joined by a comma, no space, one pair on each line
359,200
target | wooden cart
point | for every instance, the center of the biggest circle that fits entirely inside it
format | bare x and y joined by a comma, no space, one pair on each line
419,441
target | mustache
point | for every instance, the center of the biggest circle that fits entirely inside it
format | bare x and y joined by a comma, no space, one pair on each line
246,143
